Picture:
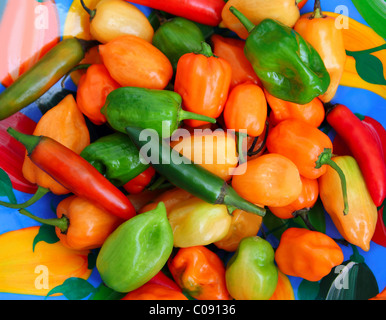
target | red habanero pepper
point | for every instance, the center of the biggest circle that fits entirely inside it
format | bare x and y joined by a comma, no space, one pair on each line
75,173
207,12
140,182
379,134
363,147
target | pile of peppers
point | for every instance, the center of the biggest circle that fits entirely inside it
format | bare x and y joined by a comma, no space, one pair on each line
186,221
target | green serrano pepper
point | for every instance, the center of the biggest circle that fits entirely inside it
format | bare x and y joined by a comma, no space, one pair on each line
186,175
32,84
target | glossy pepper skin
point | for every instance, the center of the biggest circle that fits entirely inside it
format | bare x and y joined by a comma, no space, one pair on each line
251,273
177,37
132,61
364,148
88,224
153,291
197,223
155,109
188,176
321,32
232,50
312,113
93,88
136,251
43,75
358,225
113,18
66,124
203,82
305,201
243,224
116,157
200,272
269,180
207,12
284,11
140,182
307,254
296,72
75,173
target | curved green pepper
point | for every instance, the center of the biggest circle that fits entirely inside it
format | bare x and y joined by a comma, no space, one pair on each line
147,109
32,84
287,65
136,251
251,273
116,157
177,37
186,175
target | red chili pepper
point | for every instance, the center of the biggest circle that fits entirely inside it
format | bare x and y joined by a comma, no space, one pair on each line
363,147
379,134
162,279
140,182
12,153
75,173
207,12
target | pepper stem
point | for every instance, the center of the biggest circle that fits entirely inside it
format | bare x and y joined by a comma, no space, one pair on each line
206,50
325,159
29,141
91,13
61,223
318,13
185,115
243,19
303,214
232,198
40,192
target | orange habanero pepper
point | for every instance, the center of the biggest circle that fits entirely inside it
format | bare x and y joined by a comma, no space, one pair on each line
321,32
134,62
65,124
312,113
243,224
246,112
93,88
203,82
232,50
284,290
305,201
271,180
307,254
200,272
88,224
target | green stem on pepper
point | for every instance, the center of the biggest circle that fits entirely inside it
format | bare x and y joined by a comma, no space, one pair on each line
91,13
61,223
40,192
243,19
240,139
325,159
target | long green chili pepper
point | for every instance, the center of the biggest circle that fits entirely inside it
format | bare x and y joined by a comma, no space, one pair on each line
32,84
186,175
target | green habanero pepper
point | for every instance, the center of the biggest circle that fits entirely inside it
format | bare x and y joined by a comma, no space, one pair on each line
185,174
147,109
251,273
116,157
32,84
288,66
136,251
177,37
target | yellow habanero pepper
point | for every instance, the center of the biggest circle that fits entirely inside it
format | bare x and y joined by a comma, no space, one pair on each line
195,222
113,18
358,225
285,11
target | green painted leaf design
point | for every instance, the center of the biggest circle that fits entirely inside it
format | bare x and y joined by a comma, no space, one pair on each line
349,281
374,13
6,187
74,289
105,293
308,290
368,66
47,234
